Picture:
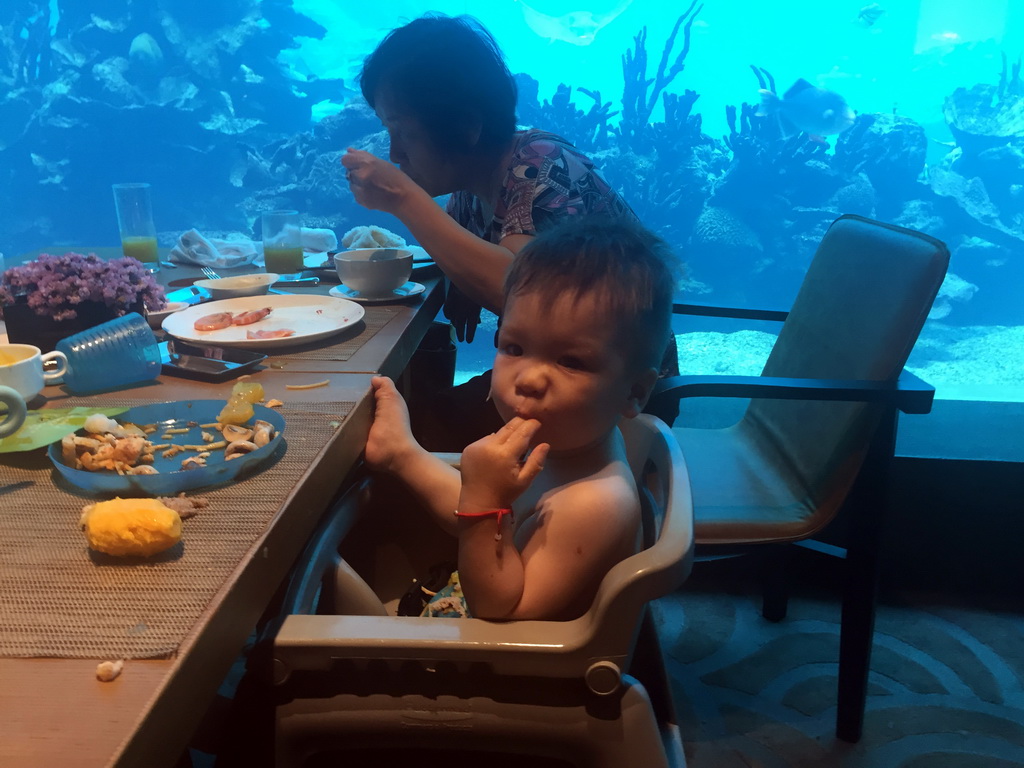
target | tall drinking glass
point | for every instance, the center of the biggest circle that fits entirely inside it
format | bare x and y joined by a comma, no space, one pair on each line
135,220
282,242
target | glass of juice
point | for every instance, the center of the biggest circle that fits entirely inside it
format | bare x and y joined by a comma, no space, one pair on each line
135,221
282,242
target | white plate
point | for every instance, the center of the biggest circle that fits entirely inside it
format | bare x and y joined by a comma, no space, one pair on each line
402,292
311,317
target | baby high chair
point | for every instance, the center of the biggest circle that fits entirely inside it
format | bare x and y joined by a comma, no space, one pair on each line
586,692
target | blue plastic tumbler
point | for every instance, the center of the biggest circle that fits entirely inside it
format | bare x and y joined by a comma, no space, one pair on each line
118,352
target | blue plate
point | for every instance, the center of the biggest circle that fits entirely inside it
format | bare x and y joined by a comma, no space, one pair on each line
172,479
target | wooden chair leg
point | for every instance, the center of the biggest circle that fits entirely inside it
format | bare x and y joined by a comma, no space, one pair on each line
856,638
775,581
857,629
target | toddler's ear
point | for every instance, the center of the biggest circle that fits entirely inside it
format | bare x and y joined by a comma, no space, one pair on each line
639,392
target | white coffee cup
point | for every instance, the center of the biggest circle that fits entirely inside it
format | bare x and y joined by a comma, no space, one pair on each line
22,373
16,411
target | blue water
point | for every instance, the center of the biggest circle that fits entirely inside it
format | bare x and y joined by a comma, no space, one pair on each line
220,115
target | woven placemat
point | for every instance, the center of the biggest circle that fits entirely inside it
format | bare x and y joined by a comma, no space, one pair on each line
374,319
59,599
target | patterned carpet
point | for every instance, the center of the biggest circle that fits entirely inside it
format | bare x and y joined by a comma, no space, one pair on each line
946,688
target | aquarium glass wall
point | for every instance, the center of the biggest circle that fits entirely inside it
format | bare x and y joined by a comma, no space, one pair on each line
909,111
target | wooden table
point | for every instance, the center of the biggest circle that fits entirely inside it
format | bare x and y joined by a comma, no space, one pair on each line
386,353
55,712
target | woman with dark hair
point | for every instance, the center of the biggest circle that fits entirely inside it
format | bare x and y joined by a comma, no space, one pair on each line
442,89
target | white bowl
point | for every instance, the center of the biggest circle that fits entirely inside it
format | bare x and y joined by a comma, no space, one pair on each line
156,318
374,271
240,285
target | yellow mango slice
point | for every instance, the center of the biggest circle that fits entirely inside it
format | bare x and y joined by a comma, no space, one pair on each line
131,526
247,391
239,406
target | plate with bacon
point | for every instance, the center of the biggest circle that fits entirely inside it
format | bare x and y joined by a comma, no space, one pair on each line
264,322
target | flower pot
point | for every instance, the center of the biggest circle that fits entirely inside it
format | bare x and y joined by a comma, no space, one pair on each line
24,326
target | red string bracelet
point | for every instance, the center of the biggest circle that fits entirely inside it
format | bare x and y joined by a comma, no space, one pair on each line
487,513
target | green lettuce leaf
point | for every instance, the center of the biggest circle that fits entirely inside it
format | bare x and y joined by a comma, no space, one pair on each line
50,425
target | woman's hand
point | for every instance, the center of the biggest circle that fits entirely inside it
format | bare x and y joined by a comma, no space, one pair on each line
376,184
494,470
390,436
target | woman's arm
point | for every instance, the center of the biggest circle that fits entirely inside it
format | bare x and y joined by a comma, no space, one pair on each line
476,266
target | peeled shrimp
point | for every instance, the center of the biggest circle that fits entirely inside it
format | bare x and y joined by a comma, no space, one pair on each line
250,317
213,322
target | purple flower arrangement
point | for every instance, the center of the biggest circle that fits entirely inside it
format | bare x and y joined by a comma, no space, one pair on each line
54,286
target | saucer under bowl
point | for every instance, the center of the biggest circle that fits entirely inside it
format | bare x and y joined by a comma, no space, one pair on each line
406,291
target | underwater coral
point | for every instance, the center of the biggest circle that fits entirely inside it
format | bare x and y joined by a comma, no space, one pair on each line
125,90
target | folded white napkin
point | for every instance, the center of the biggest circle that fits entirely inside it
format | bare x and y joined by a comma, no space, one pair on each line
237,250
318,240
193,248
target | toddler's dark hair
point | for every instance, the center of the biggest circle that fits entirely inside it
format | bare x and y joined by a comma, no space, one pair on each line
448,72
634,271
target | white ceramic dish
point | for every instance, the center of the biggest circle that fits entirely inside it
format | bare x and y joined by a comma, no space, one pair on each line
256,284
156,319
403,292
325,261
374,271
311,317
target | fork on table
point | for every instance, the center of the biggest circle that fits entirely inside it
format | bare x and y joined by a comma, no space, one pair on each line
210,274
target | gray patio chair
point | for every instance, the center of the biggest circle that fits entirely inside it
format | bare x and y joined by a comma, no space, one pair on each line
819,433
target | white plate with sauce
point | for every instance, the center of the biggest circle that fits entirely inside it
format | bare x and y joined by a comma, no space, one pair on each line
309,317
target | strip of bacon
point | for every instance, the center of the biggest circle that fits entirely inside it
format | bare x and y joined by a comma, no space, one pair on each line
278,334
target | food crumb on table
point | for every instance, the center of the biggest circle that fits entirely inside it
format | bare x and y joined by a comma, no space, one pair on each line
106,671
315,385
186,507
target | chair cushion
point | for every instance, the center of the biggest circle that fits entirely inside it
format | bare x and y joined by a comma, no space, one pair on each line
858,314
746,491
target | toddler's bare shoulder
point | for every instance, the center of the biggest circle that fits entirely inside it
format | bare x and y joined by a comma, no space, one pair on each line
606,496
